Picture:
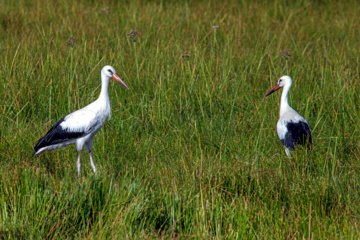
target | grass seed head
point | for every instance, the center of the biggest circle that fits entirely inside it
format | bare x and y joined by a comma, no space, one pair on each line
106,10
133,35
185,55
285,54
71,41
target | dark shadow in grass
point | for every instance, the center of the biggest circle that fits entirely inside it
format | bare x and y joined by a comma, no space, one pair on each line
81,208
47,164
13,232
331,201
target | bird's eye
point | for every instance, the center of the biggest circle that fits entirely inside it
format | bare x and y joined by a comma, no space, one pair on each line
110,71
280,80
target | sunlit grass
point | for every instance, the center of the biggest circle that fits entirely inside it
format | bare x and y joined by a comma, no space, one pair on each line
191,149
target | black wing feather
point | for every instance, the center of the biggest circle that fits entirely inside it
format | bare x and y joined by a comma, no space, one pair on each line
57,135
298,133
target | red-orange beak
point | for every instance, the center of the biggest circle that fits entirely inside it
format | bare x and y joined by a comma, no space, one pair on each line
276,87
118,79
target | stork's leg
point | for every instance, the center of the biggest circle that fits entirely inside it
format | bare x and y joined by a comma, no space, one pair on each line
92,162
88,146
79,164
287,152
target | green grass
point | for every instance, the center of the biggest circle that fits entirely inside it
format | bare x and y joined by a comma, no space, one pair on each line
191,150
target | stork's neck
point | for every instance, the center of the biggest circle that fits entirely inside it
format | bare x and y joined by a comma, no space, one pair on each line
284,104
104,94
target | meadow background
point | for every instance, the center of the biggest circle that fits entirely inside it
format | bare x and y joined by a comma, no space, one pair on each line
191,150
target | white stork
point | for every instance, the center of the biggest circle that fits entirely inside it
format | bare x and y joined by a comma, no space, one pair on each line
80,126
292,128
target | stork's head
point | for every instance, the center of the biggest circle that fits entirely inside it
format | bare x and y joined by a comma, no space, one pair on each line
109,72
283,81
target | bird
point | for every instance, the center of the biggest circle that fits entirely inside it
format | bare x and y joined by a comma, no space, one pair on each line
81,126
292,128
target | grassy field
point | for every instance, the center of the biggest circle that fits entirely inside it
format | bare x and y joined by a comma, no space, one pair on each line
191,150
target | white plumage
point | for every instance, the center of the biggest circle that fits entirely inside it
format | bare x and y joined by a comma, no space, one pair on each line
292,128
80,126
